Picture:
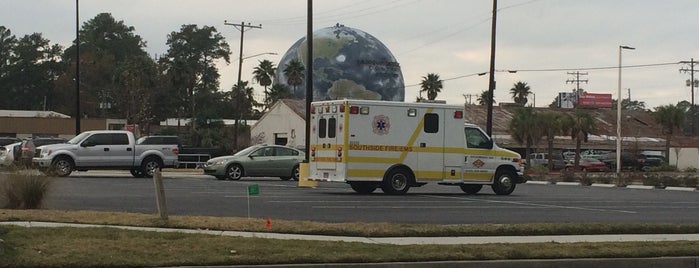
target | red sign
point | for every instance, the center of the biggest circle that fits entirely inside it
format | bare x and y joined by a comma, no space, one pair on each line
595,100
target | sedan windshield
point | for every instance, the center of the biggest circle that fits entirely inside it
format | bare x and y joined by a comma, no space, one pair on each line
246,151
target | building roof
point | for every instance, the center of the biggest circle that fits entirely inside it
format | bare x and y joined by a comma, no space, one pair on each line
25,113
298,106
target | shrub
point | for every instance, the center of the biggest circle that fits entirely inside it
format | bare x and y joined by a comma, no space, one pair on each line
23,191
691,169
690,181
567,176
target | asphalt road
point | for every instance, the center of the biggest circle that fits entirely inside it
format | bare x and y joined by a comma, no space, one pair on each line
194,194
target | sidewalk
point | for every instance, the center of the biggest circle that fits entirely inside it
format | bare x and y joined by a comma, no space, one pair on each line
458,240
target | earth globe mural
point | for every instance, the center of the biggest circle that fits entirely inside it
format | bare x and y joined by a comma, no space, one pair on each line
347,63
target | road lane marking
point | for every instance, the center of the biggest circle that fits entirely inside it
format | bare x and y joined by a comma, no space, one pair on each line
539,205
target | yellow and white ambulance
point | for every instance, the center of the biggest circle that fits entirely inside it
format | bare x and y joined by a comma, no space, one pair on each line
398,145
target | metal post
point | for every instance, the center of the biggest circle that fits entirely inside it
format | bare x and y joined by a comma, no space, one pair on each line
309,76
618,117
77,67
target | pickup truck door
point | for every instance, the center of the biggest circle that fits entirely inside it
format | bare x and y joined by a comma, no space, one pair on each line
91,151
121,151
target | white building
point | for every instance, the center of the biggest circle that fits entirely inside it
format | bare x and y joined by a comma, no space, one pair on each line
283,124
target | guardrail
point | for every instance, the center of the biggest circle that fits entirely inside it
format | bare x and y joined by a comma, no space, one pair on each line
192,160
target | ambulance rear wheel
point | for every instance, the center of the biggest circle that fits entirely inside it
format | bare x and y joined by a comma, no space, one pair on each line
363,187
471,188
504,183
397,182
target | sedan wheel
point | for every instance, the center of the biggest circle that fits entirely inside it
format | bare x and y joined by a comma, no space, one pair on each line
234,172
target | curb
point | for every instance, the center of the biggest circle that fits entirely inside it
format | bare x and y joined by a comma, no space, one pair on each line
604,185
568,183
539,182
642,187
686,189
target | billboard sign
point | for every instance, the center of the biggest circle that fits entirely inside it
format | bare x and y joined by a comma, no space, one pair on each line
566,100
595,100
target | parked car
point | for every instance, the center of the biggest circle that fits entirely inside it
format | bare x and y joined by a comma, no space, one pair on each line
257,161
7,154
629,161
26,150
8,140
543,159
589,164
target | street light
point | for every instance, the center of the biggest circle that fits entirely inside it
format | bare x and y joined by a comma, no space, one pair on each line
240,62
239,87
618,116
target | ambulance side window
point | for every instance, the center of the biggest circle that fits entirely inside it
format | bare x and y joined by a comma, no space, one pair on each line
476,139
332,126
431,123
322,126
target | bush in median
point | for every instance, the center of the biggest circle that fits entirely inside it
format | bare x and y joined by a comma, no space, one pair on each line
23,191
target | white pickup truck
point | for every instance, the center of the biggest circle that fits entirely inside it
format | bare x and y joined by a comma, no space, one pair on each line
105,149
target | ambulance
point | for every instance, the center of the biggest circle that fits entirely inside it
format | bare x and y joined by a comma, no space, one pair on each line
396,145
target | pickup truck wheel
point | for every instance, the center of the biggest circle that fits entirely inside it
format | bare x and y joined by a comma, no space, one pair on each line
471,188
397,182
363,187
62,166
149,166
234,172
504,183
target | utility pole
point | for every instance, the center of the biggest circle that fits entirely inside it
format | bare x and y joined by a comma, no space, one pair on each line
577,81
468,97
691,83
491,80
242,27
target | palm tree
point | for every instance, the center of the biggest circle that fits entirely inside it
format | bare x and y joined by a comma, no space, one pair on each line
581,124
263,74
524,129
671,117
520,91
277,92
432,85
294,72
552,124
484,98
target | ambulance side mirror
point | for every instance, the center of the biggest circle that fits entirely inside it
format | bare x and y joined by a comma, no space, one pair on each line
489,144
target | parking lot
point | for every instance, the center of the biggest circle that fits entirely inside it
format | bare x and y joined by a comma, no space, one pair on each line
196,194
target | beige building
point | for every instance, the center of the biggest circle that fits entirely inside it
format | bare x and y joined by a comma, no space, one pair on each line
27,124
283,124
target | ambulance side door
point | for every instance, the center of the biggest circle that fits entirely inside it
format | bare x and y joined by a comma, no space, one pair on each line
430,145
479,163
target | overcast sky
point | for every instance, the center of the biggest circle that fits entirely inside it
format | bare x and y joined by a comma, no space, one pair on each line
542,39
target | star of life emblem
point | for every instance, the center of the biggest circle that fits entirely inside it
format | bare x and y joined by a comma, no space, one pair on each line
381,124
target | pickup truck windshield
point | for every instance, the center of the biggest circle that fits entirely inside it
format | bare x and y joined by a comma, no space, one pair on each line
78,138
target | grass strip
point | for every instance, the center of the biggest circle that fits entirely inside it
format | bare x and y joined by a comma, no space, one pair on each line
344,229
109,247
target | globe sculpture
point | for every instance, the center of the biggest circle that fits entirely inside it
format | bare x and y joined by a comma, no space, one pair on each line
347,63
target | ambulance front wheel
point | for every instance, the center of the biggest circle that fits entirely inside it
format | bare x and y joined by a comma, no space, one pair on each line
363,187
504,183
397,182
